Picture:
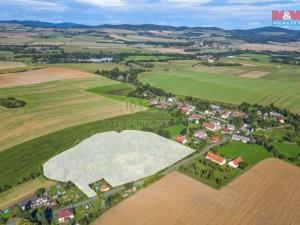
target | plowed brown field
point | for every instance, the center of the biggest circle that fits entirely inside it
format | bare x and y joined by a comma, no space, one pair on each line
40,76
267,194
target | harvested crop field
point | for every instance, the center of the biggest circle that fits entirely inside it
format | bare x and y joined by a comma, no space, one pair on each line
254,74
40,76
56,105
9,65
262,47
266,194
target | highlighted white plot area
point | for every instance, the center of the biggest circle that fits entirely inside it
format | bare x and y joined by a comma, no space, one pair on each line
119,158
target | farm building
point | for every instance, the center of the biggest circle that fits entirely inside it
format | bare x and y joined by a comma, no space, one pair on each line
201,135
215,158
240,138
236,162
181,139
64,216
211,126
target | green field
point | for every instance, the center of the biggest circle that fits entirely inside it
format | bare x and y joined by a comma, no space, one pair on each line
250,153
223,84
27,158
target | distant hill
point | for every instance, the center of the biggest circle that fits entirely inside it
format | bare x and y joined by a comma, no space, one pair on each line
257,35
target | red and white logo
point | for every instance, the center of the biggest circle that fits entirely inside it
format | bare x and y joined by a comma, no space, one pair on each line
285,15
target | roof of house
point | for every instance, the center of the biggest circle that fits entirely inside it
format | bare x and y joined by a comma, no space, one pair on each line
215,157
196,116
200,133
237,161
215,139
239,137
65,213
209,125
226,130
180,139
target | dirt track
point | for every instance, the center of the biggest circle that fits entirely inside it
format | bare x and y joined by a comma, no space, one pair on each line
267,194
40,76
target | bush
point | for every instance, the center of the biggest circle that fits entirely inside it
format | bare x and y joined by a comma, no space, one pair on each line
10,102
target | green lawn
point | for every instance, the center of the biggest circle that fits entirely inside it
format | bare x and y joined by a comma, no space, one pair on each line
27,158
287,149
250,153
218,84
175,130
148,57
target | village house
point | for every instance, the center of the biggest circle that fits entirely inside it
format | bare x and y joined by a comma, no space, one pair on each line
226,131
236,162
240,138
215,158
246,129
195,118
215,139
154,101
64,216
275,115
230,127
215,108
226,115
188,109
212,126
238,114
104,187
171,99
201,135
181,139
280,120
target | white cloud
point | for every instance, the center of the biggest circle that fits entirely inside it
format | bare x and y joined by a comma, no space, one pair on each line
36,4
105,3
129,4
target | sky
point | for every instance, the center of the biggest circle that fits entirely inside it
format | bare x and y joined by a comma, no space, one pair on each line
227,14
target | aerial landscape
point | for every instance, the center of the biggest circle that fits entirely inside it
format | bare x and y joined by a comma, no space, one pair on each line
149,113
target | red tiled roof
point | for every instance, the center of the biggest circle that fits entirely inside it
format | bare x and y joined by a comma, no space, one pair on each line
215,139
215,157
226,130
209,125
180,139
237,161
196,116
65,213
